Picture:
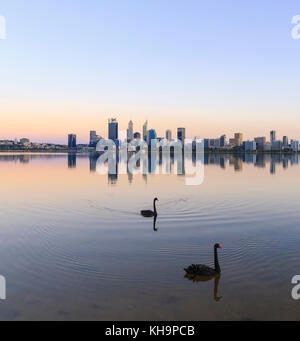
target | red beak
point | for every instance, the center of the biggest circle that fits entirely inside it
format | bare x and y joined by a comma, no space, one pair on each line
220,247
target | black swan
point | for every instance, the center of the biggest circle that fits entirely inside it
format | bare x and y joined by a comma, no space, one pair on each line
149,213
204,270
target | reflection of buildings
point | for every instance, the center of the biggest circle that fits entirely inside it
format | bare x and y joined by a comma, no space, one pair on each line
93,163
25,158
113,176
260,161
71,160
180,164
236,162
272,167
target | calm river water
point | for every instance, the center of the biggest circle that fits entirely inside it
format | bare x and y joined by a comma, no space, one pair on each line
73,245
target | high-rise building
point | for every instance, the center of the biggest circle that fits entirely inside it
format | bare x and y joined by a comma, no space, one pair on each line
285,141
151,136
113,129
93,138
130,131
223,141
181,134
145,131
272,136
249,146
277,145
169,135
238,139
295,145
260,142
72,141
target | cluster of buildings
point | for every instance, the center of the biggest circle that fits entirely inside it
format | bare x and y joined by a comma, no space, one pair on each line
26,144
113,134
236,143
258,144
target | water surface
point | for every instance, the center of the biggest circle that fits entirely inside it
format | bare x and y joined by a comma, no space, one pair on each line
73,245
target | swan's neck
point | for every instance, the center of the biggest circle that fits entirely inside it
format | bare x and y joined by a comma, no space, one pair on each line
154,207
217,266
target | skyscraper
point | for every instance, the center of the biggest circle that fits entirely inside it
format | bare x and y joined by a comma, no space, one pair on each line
151,136
145,131
72,141
285,141
238,139
260,142
130,131
113,129
181,134
93,138
169,135
272,136
223,141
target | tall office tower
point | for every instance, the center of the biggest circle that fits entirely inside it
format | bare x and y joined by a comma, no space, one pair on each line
285,141
72,141
169,135
223,141
145,131
260,142
272,136
93,138
151,136
113,129
181,134
295,145
238,138
130,131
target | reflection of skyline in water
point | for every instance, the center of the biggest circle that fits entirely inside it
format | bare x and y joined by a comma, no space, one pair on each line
70,219
169,165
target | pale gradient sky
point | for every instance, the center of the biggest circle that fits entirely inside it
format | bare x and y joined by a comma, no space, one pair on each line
219,66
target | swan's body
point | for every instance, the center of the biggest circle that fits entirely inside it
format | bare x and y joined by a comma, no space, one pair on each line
204,270
149,213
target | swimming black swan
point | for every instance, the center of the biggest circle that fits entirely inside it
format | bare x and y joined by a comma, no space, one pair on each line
204,270
149,213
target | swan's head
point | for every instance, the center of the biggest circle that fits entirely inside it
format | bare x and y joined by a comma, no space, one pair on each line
155,199
218,246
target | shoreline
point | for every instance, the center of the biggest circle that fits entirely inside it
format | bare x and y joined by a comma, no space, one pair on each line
53,151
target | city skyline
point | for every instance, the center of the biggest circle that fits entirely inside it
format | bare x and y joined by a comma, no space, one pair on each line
176,67
237,142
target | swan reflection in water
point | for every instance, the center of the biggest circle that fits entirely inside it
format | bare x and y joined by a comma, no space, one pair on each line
204,273
205,279
155,229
